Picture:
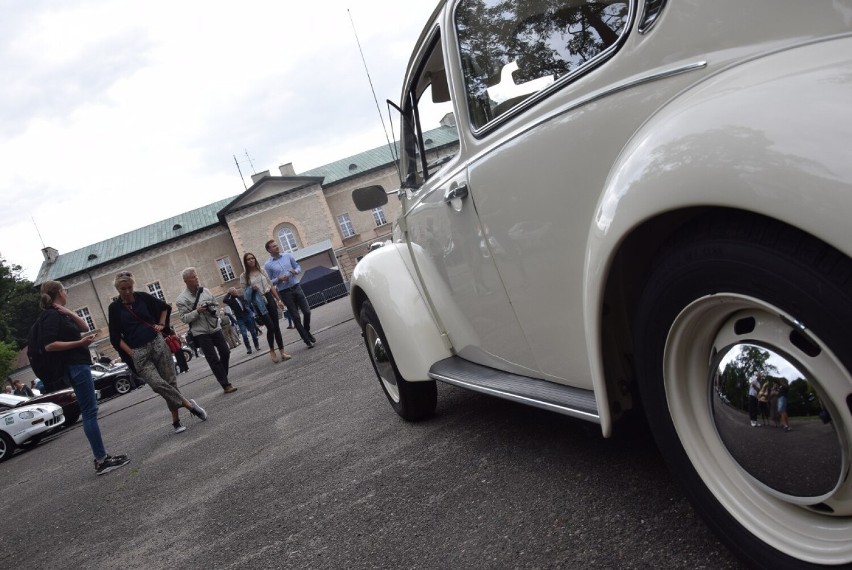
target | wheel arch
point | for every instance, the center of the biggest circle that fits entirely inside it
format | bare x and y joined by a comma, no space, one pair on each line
629,267
383,278
739,143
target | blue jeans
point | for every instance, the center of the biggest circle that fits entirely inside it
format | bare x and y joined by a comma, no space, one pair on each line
80,377
246,324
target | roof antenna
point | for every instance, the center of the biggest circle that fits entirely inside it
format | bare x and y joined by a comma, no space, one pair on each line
381,118
240,171
38,232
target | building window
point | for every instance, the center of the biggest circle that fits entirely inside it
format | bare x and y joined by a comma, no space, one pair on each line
155,290
345,226
287,239
225,269
379,216
86,316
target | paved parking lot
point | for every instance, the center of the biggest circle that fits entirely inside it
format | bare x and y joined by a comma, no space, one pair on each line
307,466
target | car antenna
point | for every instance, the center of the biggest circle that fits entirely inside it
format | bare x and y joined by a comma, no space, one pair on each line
372,89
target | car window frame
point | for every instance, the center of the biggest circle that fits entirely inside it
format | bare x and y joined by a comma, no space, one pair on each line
539,96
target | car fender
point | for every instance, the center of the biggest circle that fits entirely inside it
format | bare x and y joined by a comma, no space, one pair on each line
385,277
769,136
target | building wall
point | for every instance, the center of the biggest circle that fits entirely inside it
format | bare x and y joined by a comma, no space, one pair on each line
95,290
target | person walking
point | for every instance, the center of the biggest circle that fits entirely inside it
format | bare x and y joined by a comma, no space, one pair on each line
263,298
137,321
285,273
197,308
244,315
753,389
783,394
227,329
60,333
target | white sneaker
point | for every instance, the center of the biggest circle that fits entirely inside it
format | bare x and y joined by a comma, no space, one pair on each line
198,411
178,427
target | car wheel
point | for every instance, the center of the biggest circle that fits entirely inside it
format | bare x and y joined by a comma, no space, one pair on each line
123,385
187,353
411,400
7,446
71,419
726,299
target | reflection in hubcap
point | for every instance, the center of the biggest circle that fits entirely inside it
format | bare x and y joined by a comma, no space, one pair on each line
771,408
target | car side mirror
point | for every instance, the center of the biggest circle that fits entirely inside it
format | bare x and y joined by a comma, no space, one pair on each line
369,197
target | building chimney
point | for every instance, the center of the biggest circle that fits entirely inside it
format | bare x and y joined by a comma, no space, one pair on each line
50,254
255,178
287,169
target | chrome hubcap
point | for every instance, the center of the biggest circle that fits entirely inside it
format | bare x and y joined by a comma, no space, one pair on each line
791,489
381,359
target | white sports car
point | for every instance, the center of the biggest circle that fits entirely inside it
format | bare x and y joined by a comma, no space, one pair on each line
27,425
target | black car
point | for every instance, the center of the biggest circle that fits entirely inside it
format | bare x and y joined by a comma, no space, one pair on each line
114,380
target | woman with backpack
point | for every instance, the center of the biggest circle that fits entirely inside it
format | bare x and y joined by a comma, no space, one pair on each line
59,333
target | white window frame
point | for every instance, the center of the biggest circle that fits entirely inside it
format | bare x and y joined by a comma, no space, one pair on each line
346,227
157,291
226,270
379,216
287,239
84,314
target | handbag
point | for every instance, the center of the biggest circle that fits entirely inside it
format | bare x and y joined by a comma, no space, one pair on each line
171,339
172,342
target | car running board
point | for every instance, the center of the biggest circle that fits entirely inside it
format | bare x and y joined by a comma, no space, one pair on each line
530,391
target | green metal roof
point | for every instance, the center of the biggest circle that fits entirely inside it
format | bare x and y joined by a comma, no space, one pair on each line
115,248
131,242
368,160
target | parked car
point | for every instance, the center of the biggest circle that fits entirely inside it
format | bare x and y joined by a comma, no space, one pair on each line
26,425
117,380
66,399
116,367
648,202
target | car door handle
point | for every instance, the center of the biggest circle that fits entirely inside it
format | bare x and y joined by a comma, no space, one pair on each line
459,192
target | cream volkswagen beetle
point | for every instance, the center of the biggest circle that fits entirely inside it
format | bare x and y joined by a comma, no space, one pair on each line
648,200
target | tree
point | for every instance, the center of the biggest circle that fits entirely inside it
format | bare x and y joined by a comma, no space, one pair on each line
735,378
18,305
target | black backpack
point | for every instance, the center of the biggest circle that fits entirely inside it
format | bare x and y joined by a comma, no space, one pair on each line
47,366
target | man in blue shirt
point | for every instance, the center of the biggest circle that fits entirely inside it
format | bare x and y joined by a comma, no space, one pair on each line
285,275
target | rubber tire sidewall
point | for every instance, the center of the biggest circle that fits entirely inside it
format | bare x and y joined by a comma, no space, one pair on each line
723,265
417,400
9,445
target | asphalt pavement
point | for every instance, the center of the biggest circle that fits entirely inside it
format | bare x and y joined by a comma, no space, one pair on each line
307,466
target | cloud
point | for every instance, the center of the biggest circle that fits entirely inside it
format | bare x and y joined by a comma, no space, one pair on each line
115,115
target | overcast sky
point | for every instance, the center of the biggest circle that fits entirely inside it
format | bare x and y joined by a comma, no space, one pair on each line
114,115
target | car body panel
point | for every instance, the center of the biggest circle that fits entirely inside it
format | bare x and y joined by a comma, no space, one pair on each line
66,399
25,422
554,226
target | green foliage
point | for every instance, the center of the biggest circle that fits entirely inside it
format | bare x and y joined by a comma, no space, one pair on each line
738,372
8,354
18,305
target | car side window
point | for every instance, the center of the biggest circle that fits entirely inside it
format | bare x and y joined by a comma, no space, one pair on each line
427,119
513,49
